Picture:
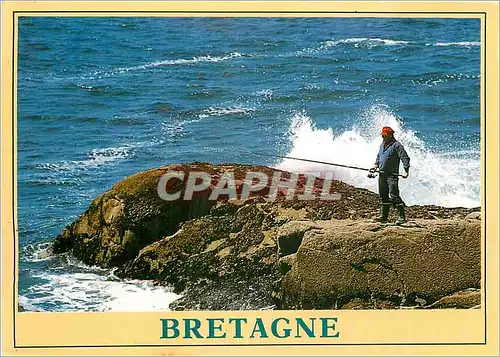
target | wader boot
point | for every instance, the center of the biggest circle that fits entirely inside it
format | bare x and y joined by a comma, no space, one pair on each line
384,213
402,217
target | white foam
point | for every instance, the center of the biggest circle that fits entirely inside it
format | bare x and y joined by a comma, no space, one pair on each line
446,179
438,79
26,304
173,129
37,253
95,158
222,111
89,291
376,42
198,59
465,43
370,42
356,42
74,286
266,93
177,129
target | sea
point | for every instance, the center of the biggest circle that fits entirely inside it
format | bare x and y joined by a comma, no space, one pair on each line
101,98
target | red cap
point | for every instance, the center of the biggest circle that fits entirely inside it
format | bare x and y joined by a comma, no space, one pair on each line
386,130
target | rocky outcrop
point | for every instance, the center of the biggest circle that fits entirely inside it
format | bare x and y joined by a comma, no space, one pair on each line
414,265
287,254
131,215
121,221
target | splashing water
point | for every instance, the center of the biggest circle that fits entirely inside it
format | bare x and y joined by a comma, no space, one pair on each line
439,178
75,286
93,292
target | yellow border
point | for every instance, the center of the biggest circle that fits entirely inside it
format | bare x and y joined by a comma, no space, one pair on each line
386,327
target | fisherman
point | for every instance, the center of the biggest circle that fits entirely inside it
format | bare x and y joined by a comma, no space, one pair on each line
387,163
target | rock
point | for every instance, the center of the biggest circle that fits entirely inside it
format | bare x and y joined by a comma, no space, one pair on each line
234,254
474,215
435,212
465,299
128,217
131,215
290,236
368,304
287,262
349,259
212,256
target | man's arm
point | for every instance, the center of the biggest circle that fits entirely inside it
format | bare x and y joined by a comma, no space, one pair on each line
403,156
377,162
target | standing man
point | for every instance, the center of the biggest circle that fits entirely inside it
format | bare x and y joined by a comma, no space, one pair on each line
387,163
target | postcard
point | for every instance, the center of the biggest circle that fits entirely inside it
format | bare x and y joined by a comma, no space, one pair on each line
250,178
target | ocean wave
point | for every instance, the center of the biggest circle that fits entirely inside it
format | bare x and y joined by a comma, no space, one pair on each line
99,90
260,98
436,178
88,291
36,252
198,59
26,305
433,79
265,93
126,120
174,129
53,181
95,158
223,111
365,42
369,42
356,42
446,44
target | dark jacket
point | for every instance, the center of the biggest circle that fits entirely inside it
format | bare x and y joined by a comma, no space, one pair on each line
389,156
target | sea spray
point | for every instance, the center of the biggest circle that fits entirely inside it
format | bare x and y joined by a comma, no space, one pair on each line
74,286
438,178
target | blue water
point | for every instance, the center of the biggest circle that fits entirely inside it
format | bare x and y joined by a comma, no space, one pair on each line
102,98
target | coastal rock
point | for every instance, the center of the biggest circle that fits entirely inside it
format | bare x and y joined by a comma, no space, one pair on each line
128,217
234,254
346,260
131,215
229,254
286,263
290,236
465,299
474,215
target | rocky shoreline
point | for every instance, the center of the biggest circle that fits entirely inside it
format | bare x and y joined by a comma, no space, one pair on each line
286,254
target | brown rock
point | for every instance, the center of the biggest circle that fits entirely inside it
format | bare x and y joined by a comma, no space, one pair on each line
474,215
349,259
251,254
131,215
466,299
290,235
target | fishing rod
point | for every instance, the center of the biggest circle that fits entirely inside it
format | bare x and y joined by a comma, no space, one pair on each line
322,162
370,175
